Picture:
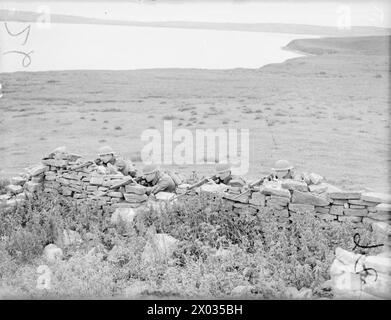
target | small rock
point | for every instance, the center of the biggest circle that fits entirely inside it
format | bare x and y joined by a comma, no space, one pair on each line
19,181
15,189
38,170
356,212
296,207
315,178
242,290
381,216
135,189
52,253
123,214
160,246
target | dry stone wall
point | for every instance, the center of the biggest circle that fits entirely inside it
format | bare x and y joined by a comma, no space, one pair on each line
70,175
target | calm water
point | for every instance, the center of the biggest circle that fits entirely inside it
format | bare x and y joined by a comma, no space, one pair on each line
70,47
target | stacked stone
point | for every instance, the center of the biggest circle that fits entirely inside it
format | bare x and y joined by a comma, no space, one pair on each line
357,207
135,195
24,186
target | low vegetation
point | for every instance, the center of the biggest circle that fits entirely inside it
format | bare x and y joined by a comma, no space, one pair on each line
219,250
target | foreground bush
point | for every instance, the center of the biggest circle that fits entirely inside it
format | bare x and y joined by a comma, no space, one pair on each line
219,251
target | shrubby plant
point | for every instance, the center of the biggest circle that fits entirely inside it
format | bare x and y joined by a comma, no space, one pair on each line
219,250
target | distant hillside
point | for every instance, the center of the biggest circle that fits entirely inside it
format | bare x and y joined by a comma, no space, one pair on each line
376,45
26,16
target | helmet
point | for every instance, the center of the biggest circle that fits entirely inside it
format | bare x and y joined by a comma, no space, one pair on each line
222,167
282,165
148,169
105,150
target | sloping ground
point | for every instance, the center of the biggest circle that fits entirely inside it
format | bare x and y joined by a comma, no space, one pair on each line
326,113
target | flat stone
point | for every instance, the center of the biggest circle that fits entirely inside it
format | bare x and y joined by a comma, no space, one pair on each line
135,198
323,210
280,200
345,195
257,199
115,194
356,206
383,207
296,207
326,216
294,185
214,188
381,216
137,189
376,197
339,202
92,188
233,197
356,212
336,210
318,188
96,180
363,203
18,181
308,198
38,178
353,219
15,189
38,170
276,191
275,206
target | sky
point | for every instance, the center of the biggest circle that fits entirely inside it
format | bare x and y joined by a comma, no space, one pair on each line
315,12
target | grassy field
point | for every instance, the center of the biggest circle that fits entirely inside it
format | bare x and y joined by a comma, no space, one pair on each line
327,112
